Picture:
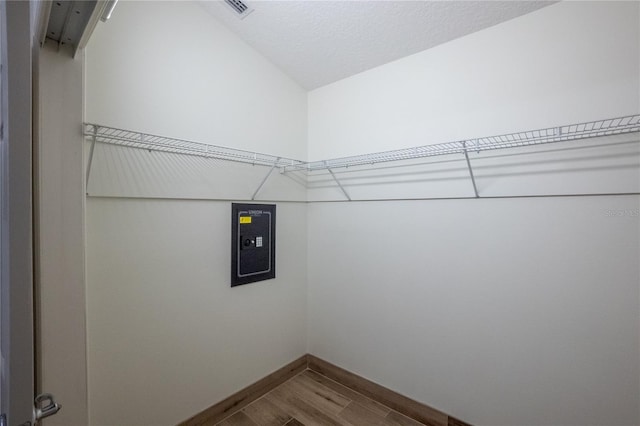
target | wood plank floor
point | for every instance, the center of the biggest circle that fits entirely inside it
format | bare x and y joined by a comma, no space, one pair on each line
311,399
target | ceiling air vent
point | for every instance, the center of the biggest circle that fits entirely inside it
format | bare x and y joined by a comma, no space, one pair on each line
241,8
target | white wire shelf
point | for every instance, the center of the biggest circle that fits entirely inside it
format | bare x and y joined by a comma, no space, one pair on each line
128,138
591,129
133,139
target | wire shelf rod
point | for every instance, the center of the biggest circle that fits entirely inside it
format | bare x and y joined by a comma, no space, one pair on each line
140,140
591,129
571,132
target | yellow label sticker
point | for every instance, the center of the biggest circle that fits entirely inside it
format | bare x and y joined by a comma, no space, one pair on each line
245,219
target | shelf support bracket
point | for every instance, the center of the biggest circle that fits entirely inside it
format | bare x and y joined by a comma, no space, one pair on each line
473,179
94,136
264,180
337,181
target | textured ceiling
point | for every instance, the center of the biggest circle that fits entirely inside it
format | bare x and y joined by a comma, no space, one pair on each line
319,42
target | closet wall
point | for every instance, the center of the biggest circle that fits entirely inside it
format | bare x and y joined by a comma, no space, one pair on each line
60,228
565,63
498,311
167,336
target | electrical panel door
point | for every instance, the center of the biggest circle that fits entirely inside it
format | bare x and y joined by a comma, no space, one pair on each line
253,245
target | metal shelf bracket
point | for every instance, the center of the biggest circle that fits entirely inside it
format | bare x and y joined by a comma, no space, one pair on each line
338,182
473,179
253,197
94,136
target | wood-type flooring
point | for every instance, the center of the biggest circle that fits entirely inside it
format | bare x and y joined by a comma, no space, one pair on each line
311,399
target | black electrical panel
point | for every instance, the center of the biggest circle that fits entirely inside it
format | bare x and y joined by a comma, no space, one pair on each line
253,243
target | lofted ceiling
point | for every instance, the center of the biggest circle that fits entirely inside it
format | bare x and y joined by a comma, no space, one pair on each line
319,42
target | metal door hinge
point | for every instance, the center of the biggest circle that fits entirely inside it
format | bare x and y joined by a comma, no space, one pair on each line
44,406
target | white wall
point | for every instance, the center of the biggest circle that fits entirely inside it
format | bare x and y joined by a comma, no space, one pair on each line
514,311
167,336
61,235
565,63
170,68
500,311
